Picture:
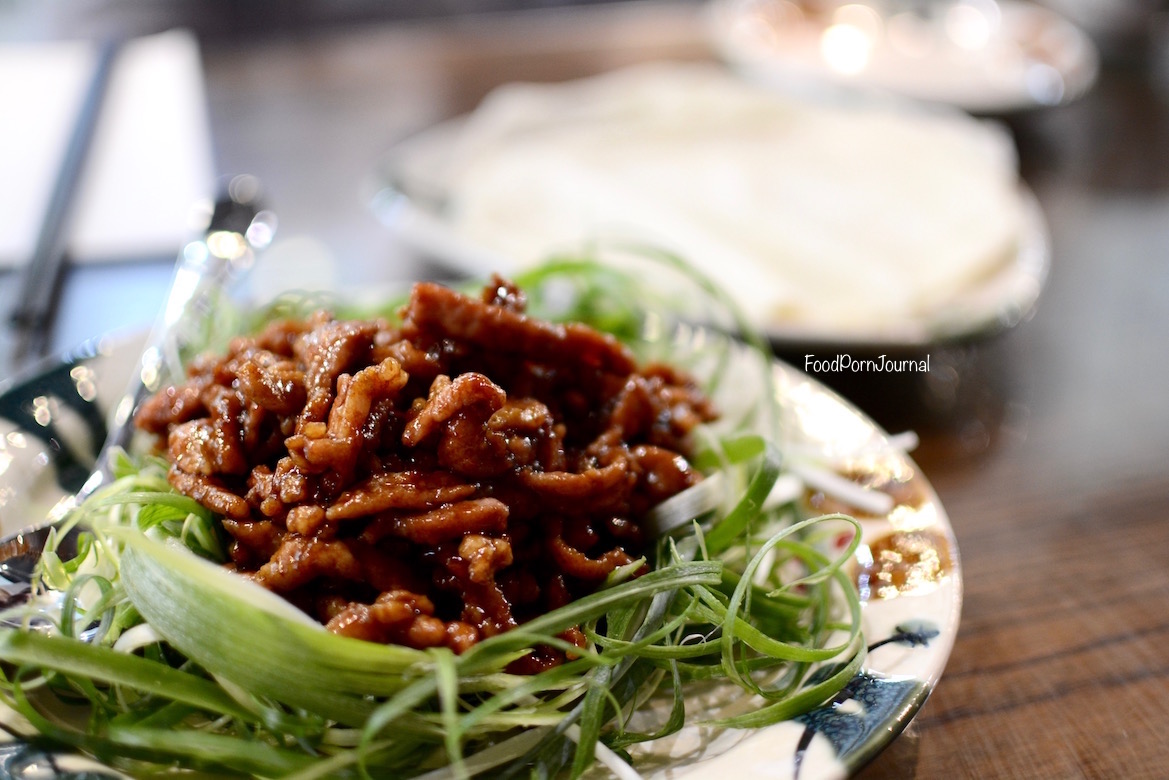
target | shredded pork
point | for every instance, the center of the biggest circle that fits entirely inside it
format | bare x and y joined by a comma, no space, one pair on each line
434,483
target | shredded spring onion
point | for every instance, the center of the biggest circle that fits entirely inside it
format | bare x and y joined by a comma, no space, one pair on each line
159,657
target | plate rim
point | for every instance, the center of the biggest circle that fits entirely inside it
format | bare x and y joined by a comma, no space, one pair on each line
721,18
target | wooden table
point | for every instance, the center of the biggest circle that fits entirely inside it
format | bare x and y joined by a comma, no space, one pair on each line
1048,446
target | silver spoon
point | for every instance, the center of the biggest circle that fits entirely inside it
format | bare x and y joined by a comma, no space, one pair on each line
236,230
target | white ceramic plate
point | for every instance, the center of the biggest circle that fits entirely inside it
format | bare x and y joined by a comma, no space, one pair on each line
908,570
979,55
409,200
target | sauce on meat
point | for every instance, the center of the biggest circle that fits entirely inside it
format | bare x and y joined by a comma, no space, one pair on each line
435,483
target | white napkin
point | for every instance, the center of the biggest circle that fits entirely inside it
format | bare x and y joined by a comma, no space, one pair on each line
150,164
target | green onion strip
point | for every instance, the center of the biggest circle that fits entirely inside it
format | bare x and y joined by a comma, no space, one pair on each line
224,677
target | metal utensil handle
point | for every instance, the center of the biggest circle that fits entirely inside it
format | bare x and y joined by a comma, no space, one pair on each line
205,267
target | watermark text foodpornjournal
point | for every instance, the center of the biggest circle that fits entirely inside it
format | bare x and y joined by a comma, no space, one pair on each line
845,363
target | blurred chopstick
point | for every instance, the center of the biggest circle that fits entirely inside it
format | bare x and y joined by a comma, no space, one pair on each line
36,308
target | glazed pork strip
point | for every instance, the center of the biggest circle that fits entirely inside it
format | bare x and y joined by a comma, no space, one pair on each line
433,483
